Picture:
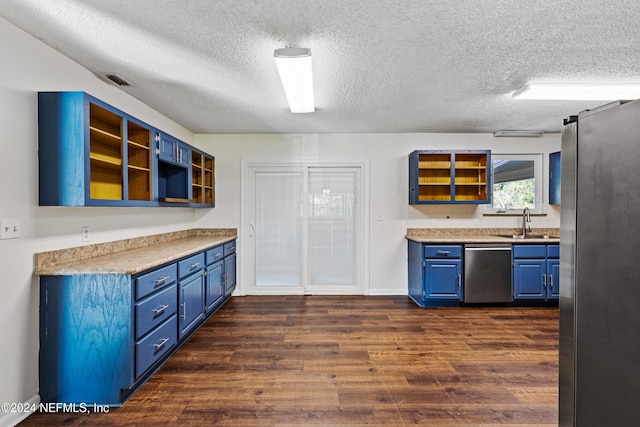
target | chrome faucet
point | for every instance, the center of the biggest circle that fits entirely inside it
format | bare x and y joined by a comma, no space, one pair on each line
526,217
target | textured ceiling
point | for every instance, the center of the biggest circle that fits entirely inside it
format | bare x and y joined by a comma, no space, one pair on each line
379,65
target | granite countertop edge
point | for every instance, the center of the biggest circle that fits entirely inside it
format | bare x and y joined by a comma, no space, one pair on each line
135,260
497,235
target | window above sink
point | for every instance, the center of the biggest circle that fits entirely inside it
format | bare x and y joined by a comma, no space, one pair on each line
517,183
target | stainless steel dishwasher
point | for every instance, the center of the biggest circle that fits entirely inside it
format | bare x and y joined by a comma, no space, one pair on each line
487,272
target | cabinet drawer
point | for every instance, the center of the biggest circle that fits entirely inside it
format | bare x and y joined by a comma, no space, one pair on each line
157,279
215,254
441,251
191,265
155,310
229,248
155,345
553,251
529,251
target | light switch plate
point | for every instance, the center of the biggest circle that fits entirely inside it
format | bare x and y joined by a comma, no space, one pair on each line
10,228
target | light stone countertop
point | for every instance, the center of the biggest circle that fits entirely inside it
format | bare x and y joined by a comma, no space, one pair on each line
159,250
481,235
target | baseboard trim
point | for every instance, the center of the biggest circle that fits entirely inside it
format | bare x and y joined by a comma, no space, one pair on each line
12,419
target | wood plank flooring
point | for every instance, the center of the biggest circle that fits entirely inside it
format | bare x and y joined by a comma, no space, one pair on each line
351,361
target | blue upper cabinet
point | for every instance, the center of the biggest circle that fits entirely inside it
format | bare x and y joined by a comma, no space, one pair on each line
554,178
173,151
92,154
450,177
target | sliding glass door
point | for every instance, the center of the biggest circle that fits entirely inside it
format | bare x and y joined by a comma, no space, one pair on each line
305,230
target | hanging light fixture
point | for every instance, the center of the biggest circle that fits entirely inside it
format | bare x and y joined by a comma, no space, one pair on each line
294,67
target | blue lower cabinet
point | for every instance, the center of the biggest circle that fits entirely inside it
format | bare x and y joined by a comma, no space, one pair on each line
529,279
229,274
435,274
536,272
86,337
103,335
214,286
154,346
191,302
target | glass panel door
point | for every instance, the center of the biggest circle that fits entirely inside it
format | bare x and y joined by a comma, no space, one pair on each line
278,228
304,230
331,228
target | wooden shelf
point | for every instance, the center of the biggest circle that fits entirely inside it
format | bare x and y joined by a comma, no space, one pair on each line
98,160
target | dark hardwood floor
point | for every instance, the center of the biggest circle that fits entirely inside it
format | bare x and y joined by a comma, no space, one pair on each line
350,361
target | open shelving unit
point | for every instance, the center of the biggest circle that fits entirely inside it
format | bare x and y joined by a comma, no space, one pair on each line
449,177
105,153
471,177
92,154
139,161
202,178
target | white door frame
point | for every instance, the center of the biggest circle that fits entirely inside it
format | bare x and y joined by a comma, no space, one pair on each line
246,234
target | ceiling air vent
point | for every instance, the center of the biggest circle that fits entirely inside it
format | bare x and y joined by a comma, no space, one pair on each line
117,79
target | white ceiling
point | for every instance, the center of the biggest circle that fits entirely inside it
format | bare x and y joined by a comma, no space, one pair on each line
379,65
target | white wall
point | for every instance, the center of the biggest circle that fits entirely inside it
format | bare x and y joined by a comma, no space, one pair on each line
387,155
29,66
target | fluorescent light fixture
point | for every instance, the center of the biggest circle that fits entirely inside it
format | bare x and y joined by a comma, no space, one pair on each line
519,133
579,91
294,67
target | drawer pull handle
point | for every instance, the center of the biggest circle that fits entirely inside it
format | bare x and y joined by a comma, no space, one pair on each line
161,280
158,311
232,248
218,255
161,343
194,265
445,253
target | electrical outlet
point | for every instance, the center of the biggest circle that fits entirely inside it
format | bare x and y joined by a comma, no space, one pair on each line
85,234
10,228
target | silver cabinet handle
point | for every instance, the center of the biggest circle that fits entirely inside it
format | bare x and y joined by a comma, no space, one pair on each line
161,280
232,248
194,265
161,343
544,280
253,230
551,280
224,279
444,253
160,309
218,255
184,310
459,280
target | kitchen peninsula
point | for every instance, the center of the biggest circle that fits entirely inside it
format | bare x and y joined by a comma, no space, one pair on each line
111,314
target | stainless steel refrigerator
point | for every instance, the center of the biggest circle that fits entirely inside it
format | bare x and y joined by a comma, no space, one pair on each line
600,268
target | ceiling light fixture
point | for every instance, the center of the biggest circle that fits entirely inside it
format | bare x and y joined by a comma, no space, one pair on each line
519,133
294,67
579,91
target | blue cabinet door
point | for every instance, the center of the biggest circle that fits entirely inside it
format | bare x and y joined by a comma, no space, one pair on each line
229,274
443,279
553,279
191,303
528,279
214,285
